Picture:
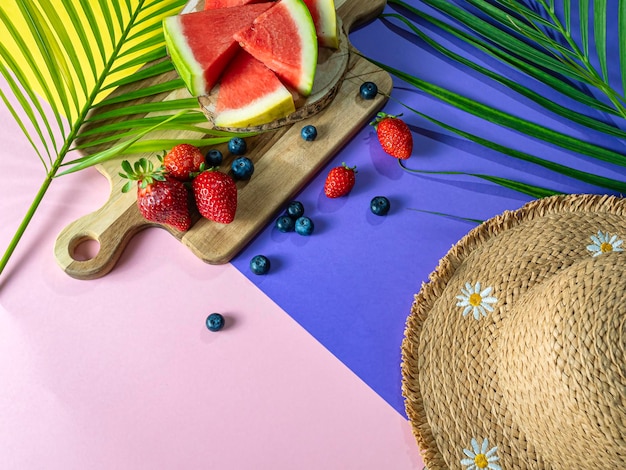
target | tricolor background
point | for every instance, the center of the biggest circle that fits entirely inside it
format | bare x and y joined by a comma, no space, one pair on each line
121,373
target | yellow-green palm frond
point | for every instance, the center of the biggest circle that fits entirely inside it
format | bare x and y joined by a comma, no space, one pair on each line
93,76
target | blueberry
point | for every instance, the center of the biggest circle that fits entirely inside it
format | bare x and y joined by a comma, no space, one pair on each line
214,158
285,224
237,146
260,264
380,205
215,322
295,209
368,90
304,226
242,168
309,133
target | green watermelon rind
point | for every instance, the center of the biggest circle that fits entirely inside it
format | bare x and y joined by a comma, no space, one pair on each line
275,105
327,33
308,55
186,65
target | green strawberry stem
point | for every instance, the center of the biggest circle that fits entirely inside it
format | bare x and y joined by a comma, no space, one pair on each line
351,168
380,116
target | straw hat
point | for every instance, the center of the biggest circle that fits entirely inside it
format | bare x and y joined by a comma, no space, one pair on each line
513,356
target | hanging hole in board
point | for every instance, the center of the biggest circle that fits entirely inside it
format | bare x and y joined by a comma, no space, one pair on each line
84,248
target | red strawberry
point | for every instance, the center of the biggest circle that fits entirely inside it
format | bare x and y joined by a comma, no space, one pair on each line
394,135
340,181
216,196
182,161
160,198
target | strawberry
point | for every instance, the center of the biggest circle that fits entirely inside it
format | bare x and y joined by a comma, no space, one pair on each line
340,181
160,198
182,161
216,195
394,135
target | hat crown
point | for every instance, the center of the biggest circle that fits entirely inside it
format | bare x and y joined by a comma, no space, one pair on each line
562,368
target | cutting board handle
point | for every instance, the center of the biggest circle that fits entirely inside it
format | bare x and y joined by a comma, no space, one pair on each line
354,13
112,226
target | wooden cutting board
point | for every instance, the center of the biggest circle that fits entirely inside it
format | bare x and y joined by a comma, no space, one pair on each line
283,161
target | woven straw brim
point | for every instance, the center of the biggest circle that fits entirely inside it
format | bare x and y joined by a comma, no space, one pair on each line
540,373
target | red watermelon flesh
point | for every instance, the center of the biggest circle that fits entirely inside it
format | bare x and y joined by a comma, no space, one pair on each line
214,4
285,40
201,43
250,94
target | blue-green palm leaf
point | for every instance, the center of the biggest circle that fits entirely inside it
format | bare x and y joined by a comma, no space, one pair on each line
531,38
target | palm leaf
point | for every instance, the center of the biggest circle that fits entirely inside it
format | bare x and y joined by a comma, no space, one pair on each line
512,84
91,63
599,33
583,176
524,188
508,120
621,37
539,44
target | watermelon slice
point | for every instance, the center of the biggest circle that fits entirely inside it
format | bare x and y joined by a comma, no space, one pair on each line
325,19
284,39
250,94
201,43
214,4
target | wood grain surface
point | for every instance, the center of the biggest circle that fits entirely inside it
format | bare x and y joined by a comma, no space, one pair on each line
283,162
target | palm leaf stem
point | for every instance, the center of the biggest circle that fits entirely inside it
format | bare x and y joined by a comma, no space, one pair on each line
536,192
457,217
26,220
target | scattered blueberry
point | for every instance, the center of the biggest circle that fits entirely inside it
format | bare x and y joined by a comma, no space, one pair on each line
260,264
304,226
380,205
309,133
237,146
242,168
295,209
285,224
215,322
368,90
214,158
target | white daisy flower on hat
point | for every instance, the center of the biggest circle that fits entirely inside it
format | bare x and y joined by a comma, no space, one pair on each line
481,456
604,243
475,300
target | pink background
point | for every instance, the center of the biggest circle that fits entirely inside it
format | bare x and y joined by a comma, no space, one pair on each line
121,373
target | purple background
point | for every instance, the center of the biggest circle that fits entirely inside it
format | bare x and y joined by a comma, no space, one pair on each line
351,284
